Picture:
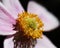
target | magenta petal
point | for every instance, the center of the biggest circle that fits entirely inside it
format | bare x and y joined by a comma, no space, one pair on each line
49,20
13,6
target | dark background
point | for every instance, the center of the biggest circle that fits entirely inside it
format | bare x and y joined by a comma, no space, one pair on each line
54,7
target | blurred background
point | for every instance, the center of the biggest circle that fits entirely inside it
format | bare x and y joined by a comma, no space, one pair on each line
54,7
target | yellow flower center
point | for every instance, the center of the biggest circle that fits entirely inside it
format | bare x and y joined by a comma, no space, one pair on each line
30,24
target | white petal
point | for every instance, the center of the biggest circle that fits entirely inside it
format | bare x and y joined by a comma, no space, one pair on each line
49,20
14,7
8,43
44,43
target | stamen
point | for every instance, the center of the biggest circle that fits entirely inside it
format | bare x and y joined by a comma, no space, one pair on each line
29,27
30,24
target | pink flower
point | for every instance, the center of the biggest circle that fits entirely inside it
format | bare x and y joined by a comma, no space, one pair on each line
8,15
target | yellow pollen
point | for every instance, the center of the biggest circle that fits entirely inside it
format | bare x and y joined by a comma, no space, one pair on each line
30,24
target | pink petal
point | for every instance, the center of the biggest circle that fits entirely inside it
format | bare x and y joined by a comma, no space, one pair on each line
6,21
41,43
44,43
49,20
14,7
8,43
7,33
5,14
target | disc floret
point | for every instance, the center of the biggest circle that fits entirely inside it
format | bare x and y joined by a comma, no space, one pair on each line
30,24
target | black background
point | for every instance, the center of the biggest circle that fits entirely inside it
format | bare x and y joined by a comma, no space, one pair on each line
54,7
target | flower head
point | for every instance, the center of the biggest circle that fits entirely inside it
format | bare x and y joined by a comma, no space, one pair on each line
25,27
